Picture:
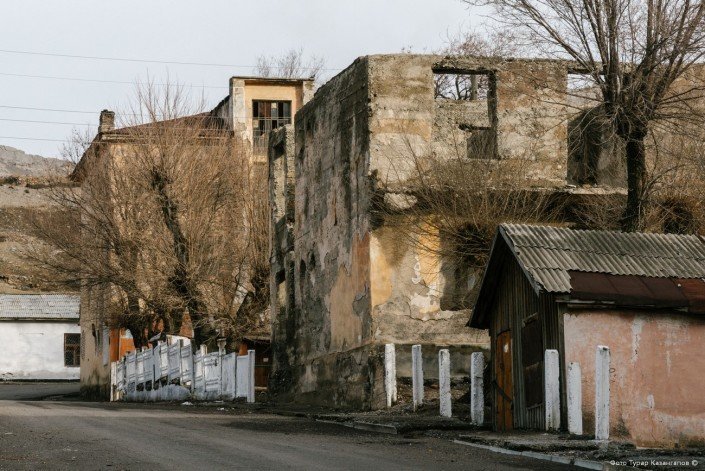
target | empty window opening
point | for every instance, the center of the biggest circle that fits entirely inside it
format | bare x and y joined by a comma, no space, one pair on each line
461,86
72,349
266,116
466,109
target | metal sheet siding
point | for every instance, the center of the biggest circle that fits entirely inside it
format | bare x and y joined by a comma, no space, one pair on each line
547,253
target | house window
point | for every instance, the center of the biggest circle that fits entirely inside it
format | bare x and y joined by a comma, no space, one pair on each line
72,349
266,116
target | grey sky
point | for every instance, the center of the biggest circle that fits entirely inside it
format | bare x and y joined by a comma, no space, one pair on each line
212,31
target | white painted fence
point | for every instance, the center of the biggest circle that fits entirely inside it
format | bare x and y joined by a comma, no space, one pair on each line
172,372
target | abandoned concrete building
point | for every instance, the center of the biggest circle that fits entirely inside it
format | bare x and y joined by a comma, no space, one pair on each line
253,108
344,283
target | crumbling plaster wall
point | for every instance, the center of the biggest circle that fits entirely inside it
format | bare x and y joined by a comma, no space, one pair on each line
322,294
525,107
655,386
349,284
407,122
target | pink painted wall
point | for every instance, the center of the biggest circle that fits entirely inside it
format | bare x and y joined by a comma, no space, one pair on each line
657,374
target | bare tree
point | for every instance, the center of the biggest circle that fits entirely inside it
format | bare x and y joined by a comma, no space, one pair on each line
449,207
634,52
292,64
170,224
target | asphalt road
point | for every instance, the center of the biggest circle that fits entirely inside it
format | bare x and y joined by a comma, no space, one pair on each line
82,435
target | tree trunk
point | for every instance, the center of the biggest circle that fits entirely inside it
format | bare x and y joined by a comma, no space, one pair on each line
633,218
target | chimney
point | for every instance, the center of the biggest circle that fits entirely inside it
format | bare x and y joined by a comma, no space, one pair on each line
107,121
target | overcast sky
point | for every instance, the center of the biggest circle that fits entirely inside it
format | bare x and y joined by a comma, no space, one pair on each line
206,31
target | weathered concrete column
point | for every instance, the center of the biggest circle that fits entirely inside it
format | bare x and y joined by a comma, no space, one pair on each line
251,376
602,393
417,376
390,374
477,392
444,398
575,399
552,390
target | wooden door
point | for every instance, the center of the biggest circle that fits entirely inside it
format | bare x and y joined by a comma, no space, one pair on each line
505,388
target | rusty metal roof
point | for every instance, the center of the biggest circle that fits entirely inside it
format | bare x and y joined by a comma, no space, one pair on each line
685,294
39,307
549,253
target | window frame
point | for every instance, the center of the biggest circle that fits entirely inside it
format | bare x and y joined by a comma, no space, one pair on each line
74,347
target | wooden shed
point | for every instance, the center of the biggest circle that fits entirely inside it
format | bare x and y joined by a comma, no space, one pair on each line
539,278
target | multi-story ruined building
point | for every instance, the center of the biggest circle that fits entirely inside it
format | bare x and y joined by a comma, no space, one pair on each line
344,282
253,108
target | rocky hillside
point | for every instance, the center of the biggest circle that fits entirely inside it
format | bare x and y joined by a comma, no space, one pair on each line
14,162
25,194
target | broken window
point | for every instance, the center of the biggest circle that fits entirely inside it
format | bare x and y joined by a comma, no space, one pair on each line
461,86
72,349
266,116
466,101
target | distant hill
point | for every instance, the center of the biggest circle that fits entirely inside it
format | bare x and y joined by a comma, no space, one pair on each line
14,162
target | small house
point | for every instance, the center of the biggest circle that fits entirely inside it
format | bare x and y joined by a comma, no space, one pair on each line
41,337
641,295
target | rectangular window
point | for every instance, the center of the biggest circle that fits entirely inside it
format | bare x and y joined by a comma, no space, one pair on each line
466,103
72,349
266,116
459,86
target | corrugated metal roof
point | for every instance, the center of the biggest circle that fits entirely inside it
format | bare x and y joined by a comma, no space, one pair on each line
39,306
548,253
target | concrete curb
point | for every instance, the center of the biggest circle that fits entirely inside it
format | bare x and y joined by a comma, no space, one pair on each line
587,464
366,426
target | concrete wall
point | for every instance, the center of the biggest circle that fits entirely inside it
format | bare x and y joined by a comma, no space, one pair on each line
35,350
655,382
343,283
525,109
331,347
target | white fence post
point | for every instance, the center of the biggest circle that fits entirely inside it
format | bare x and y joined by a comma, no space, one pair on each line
390,374
227,368
444,397
477,392
552,388
113,381
602,393
251,375
131,373
417,376
575,399
185,364
139,368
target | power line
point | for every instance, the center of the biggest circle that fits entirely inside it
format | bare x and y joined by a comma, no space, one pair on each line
32,139
122,82
45,122
155,61
46,109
